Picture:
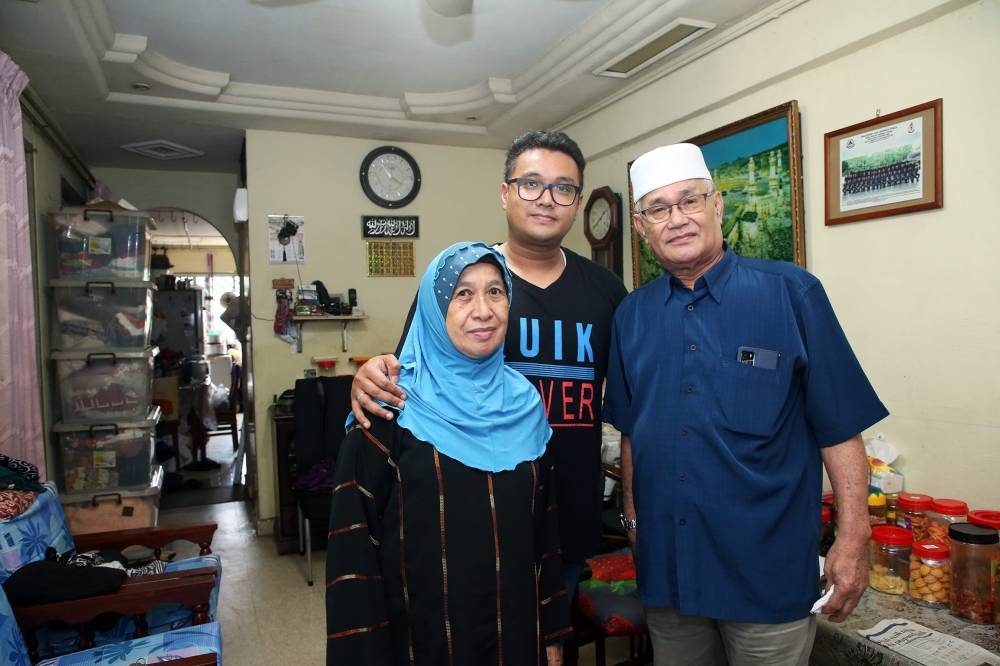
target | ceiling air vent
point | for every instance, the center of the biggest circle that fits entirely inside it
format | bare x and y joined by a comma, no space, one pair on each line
162,150
658,45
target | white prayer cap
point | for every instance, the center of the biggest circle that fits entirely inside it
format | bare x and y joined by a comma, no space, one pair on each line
666,165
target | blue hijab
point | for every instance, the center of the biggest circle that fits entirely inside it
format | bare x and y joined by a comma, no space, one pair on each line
477,411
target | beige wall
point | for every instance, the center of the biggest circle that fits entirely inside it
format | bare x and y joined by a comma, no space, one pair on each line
917,293
194,261
210,195
317,177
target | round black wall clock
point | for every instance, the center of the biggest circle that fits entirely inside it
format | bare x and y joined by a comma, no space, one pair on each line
390,177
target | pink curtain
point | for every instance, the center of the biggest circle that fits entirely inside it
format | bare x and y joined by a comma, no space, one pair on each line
20,407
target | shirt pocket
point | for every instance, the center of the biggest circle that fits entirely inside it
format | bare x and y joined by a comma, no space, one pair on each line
750,398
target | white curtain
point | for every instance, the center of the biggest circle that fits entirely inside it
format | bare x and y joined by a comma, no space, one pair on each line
20,406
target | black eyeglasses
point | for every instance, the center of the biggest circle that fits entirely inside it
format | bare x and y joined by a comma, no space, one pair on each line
689,205
530,189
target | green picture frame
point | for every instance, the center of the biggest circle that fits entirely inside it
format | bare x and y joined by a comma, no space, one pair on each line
756,163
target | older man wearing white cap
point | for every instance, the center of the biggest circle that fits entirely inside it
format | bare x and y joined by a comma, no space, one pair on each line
734,385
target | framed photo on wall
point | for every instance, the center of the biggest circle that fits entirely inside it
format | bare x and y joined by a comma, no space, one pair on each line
884,166
756,163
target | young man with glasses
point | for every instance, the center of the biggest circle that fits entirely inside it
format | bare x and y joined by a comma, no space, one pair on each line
733,385
559,332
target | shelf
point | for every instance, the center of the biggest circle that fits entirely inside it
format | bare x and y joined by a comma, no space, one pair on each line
298,320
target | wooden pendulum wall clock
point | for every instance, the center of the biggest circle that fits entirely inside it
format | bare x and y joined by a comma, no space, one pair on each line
603,229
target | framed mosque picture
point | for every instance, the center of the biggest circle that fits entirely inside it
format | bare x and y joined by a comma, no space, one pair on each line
756,163
884,166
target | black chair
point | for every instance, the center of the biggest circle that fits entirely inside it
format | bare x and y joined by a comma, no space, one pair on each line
321,408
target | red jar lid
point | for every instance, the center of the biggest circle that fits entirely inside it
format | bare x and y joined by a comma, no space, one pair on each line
985,518
950,507
827,497
932,550
914,501
824,513
890,534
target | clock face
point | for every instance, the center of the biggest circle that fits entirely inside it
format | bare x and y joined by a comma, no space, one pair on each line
599,220
390,177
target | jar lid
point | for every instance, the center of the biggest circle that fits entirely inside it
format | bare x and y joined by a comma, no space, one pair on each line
914,501
825,513
977,534
890,534
985,518
827,497
950,507
932,550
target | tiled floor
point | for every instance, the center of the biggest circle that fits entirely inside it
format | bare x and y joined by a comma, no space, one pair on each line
268,613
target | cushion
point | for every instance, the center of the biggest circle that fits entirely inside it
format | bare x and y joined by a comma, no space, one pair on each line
610,598
15,502
45,582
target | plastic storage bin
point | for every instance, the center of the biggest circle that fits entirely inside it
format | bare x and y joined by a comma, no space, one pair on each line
102,242
114,510
101,387
108,456
98,314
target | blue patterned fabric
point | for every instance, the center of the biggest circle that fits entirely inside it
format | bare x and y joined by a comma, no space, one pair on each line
23,539
156,648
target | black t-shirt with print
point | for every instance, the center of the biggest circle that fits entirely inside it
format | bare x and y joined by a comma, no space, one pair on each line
559,338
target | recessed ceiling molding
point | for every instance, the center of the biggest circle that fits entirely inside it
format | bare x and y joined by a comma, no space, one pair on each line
254,93
257,102
92,16
360,117
475,97
663,42
125,49
171,73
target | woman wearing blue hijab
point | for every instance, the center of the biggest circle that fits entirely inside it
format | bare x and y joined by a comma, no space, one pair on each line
443,525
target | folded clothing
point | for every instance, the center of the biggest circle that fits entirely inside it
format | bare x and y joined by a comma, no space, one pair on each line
45,582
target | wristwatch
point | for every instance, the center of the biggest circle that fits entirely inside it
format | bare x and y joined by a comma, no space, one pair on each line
627,524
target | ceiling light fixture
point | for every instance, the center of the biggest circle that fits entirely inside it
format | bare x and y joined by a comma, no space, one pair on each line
661,43
472,118
142,86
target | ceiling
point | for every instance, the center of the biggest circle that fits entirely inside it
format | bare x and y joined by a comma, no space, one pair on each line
197,73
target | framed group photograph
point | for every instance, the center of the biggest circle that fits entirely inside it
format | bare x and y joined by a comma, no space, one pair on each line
884,166
756,163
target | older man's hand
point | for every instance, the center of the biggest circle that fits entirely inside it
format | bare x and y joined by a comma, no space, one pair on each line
847,568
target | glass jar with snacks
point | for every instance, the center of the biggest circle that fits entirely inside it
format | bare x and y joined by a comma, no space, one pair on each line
930,574
889,561
991,519
943,514
973,553
890,507
911,513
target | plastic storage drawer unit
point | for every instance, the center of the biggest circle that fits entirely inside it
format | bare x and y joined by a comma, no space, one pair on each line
100,387
95,315
114,510
108,456
102,243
